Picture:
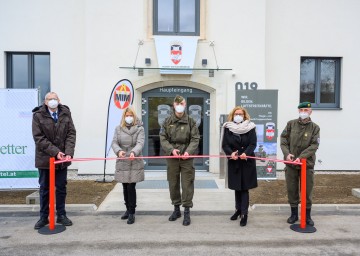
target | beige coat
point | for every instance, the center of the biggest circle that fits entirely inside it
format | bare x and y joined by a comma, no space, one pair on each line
129,140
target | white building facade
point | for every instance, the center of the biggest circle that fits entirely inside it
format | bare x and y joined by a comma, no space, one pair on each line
307,50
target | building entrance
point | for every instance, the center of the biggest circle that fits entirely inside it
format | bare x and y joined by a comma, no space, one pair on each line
157,105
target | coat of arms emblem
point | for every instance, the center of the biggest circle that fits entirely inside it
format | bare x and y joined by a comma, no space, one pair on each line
176,52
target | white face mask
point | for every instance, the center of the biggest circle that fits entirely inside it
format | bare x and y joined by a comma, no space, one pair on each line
129,119
303,115
53,103
179,108
238,119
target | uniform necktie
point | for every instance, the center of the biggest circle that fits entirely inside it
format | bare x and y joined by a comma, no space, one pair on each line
55,117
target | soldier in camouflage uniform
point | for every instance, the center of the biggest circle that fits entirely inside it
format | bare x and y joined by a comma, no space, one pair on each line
300,139
179,136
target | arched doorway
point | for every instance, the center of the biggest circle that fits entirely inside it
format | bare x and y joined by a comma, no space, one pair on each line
157,105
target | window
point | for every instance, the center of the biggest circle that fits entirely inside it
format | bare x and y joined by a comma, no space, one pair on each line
320,82
176,17
28,70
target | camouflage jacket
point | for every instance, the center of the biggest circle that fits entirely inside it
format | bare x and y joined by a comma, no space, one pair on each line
302,140
179,133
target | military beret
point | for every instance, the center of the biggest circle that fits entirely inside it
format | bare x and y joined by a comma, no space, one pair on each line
178,99
304,105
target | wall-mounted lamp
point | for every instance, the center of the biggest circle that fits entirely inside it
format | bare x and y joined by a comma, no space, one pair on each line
211,73
204,62
147,61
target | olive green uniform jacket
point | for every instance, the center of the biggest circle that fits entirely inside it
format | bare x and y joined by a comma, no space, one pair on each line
179,133
302,140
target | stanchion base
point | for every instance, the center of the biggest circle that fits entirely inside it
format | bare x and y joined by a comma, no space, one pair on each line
307,229
46,230
103,180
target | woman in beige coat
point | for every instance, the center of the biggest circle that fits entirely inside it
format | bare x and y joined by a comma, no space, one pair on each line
128,143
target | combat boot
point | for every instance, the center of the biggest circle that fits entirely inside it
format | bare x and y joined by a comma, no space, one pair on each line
294,215
309,221
187,220
176,213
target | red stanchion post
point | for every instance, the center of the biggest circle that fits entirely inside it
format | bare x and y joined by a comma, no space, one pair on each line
302,227
52,229
52,194
303,194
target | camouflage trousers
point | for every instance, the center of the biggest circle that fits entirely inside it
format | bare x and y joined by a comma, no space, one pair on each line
292,176
183,171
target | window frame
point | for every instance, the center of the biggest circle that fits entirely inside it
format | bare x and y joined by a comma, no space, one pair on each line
31,68
176,20
317,104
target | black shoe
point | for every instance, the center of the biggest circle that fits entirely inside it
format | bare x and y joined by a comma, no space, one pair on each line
187,220
125,216
235,215
243,220
176,213
294,215
131,219
292,219
62,219
41,223
309,221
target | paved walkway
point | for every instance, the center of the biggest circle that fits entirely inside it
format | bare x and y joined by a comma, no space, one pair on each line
100,231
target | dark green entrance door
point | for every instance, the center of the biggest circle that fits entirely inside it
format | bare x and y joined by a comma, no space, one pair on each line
157,105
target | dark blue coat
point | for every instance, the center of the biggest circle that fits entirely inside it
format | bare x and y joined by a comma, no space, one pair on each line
241,173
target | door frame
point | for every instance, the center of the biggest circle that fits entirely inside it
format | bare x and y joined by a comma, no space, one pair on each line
172,91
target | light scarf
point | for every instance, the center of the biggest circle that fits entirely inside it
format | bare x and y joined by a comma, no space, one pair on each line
239,128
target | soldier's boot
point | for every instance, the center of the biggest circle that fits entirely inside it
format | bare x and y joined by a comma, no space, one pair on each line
294,215
176,213
235,215
309,221
187,220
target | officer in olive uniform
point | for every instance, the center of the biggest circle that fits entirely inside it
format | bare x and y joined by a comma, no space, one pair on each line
179,136
300,139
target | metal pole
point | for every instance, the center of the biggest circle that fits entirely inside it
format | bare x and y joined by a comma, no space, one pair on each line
303,194
52,195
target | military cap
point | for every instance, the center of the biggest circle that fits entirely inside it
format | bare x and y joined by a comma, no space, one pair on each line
304,105
178,99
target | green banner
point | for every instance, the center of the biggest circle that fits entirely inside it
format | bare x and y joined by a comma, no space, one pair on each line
19,174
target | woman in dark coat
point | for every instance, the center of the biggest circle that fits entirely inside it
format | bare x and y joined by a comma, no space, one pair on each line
239,141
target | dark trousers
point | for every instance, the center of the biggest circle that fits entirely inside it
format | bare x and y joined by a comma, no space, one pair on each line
60,184
292,176
129,192
181,170
242,201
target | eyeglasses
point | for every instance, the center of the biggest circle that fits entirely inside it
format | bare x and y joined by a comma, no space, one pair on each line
52,99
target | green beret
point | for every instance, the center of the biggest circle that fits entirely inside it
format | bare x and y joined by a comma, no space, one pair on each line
178,99
304,105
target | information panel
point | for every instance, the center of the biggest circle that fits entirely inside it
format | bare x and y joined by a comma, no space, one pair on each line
17,147
262,107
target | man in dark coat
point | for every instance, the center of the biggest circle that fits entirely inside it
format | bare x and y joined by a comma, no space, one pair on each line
179,136
300,139
54,135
